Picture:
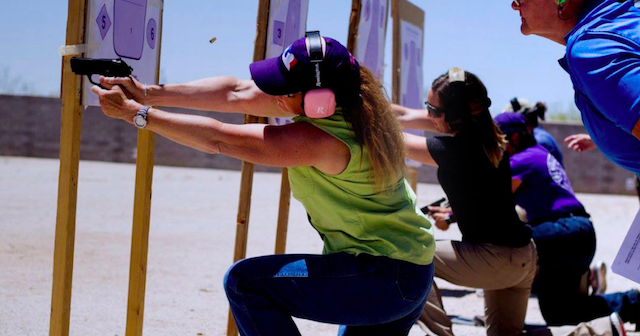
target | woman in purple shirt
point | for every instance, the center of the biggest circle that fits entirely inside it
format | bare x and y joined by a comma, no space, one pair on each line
562,231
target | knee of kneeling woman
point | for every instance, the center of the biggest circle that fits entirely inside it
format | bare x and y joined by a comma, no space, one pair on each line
232,278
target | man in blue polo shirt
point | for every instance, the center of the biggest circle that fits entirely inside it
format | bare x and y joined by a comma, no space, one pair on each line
603,60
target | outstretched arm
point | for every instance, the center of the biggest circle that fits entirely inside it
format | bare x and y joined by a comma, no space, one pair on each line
220,94
417,149
298,144
413,118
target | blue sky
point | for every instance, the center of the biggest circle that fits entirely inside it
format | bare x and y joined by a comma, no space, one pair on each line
482,36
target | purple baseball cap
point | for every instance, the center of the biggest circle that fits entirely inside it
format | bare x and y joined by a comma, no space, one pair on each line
293,71
511,122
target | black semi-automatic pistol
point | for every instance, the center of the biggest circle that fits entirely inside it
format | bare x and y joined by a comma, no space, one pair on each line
100,66
425,209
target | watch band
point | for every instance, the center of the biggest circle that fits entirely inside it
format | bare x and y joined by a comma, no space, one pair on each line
140,119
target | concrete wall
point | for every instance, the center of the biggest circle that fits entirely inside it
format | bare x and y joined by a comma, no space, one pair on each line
30,126
589,172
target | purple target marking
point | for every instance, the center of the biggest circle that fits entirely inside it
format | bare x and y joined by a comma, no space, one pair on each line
367,10
152,33
103,21
372,51
418,56
292,26
278,32
406,52
382,16
413,98
129,27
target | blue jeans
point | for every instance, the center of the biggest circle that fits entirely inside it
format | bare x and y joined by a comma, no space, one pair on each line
565,250
367,295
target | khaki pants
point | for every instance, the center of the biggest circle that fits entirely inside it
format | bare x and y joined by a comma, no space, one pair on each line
505,274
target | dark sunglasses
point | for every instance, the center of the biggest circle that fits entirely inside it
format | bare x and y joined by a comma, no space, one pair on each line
434,112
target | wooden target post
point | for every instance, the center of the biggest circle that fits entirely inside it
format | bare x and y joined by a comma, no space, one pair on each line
404,11
71,121
367,37
141,217
68,185
413,178
356,38
283,213
354,22
246,179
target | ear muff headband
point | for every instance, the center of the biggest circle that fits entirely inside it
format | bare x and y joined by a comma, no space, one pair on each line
458,111
320,102
314,46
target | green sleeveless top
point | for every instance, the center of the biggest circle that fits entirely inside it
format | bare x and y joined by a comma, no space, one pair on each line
350,215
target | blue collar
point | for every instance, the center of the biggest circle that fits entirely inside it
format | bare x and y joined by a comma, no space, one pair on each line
590,9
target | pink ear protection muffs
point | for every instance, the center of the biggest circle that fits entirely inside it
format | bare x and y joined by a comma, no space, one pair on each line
320,102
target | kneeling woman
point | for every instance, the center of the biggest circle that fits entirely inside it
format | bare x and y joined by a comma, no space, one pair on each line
562,231
346,170
496,252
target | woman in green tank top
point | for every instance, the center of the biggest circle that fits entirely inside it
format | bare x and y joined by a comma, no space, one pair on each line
346,169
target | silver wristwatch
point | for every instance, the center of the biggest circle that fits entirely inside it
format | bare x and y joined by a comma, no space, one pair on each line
140,119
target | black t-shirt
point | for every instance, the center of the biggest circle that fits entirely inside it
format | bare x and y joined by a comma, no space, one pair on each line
479,193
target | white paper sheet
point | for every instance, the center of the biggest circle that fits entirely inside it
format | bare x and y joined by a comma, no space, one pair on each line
287,23
127,29
372,35
627,262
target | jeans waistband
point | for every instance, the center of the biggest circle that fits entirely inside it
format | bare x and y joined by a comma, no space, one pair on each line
556,217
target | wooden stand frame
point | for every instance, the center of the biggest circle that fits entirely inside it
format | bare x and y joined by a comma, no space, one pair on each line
246,179
403,10
67,194
68,179
354,24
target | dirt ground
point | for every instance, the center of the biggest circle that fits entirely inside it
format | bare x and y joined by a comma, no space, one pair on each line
191,246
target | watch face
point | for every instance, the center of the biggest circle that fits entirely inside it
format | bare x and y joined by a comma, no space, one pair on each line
139,121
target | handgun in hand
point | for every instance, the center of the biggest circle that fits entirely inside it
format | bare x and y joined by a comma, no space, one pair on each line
100,66
425,210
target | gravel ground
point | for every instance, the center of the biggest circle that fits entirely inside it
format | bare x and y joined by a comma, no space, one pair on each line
191,246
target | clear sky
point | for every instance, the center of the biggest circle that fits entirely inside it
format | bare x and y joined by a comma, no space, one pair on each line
482,36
